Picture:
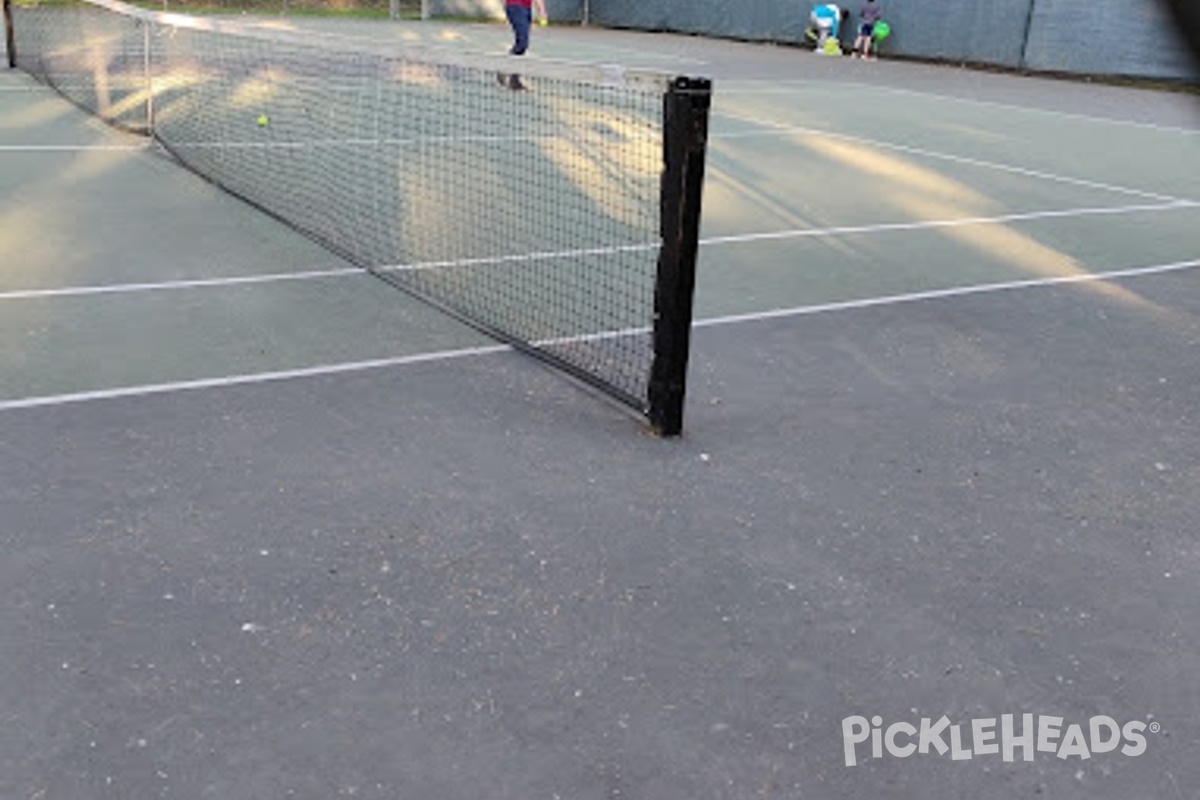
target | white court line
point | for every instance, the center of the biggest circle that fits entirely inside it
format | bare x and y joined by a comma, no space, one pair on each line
779,130
446,355
251,378
777,87
206,283
69,148
129,288
936,294
123,288
775,130
946,223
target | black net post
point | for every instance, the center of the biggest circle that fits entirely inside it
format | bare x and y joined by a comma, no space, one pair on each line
684,141
10,44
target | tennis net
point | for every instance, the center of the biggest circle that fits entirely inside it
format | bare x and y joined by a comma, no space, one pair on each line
561,219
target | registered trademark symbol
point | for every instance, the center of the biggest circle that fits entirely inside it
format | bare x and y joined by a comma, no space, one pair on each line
1155,727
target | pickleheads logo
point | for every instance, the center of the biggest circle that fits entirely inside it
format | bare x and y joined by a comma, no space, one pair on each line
1101,734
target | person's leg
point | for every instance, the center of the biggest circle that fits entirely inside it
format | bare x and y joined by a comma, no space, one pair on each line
826,30
520,19
868,34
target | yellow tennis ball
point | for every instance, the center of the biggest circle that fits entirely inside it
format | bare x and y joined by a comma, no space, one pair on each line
262,120
543,22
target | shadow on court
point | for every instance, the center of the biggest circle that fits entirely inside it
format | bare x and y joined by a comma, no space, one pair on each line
445,572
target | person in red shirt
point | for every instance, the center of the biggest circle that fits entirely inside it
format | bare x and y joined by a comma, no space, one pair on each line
520,19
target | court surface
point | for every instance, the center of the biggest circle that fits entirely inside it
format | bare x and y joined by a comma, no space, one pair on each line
272,529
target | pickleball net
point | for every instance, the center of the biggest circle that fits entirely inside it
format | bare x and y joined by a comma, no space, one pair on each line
561,219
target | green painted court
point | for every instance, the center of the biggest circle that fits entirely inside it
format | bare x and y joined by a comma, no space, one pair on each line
274,529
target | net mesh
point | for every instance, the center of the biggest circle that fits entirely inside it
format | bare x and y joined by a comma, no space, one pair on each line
533,214
363,8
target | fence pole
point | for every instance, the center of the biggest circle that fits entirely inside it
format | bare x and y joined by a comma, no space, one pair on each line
10,40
